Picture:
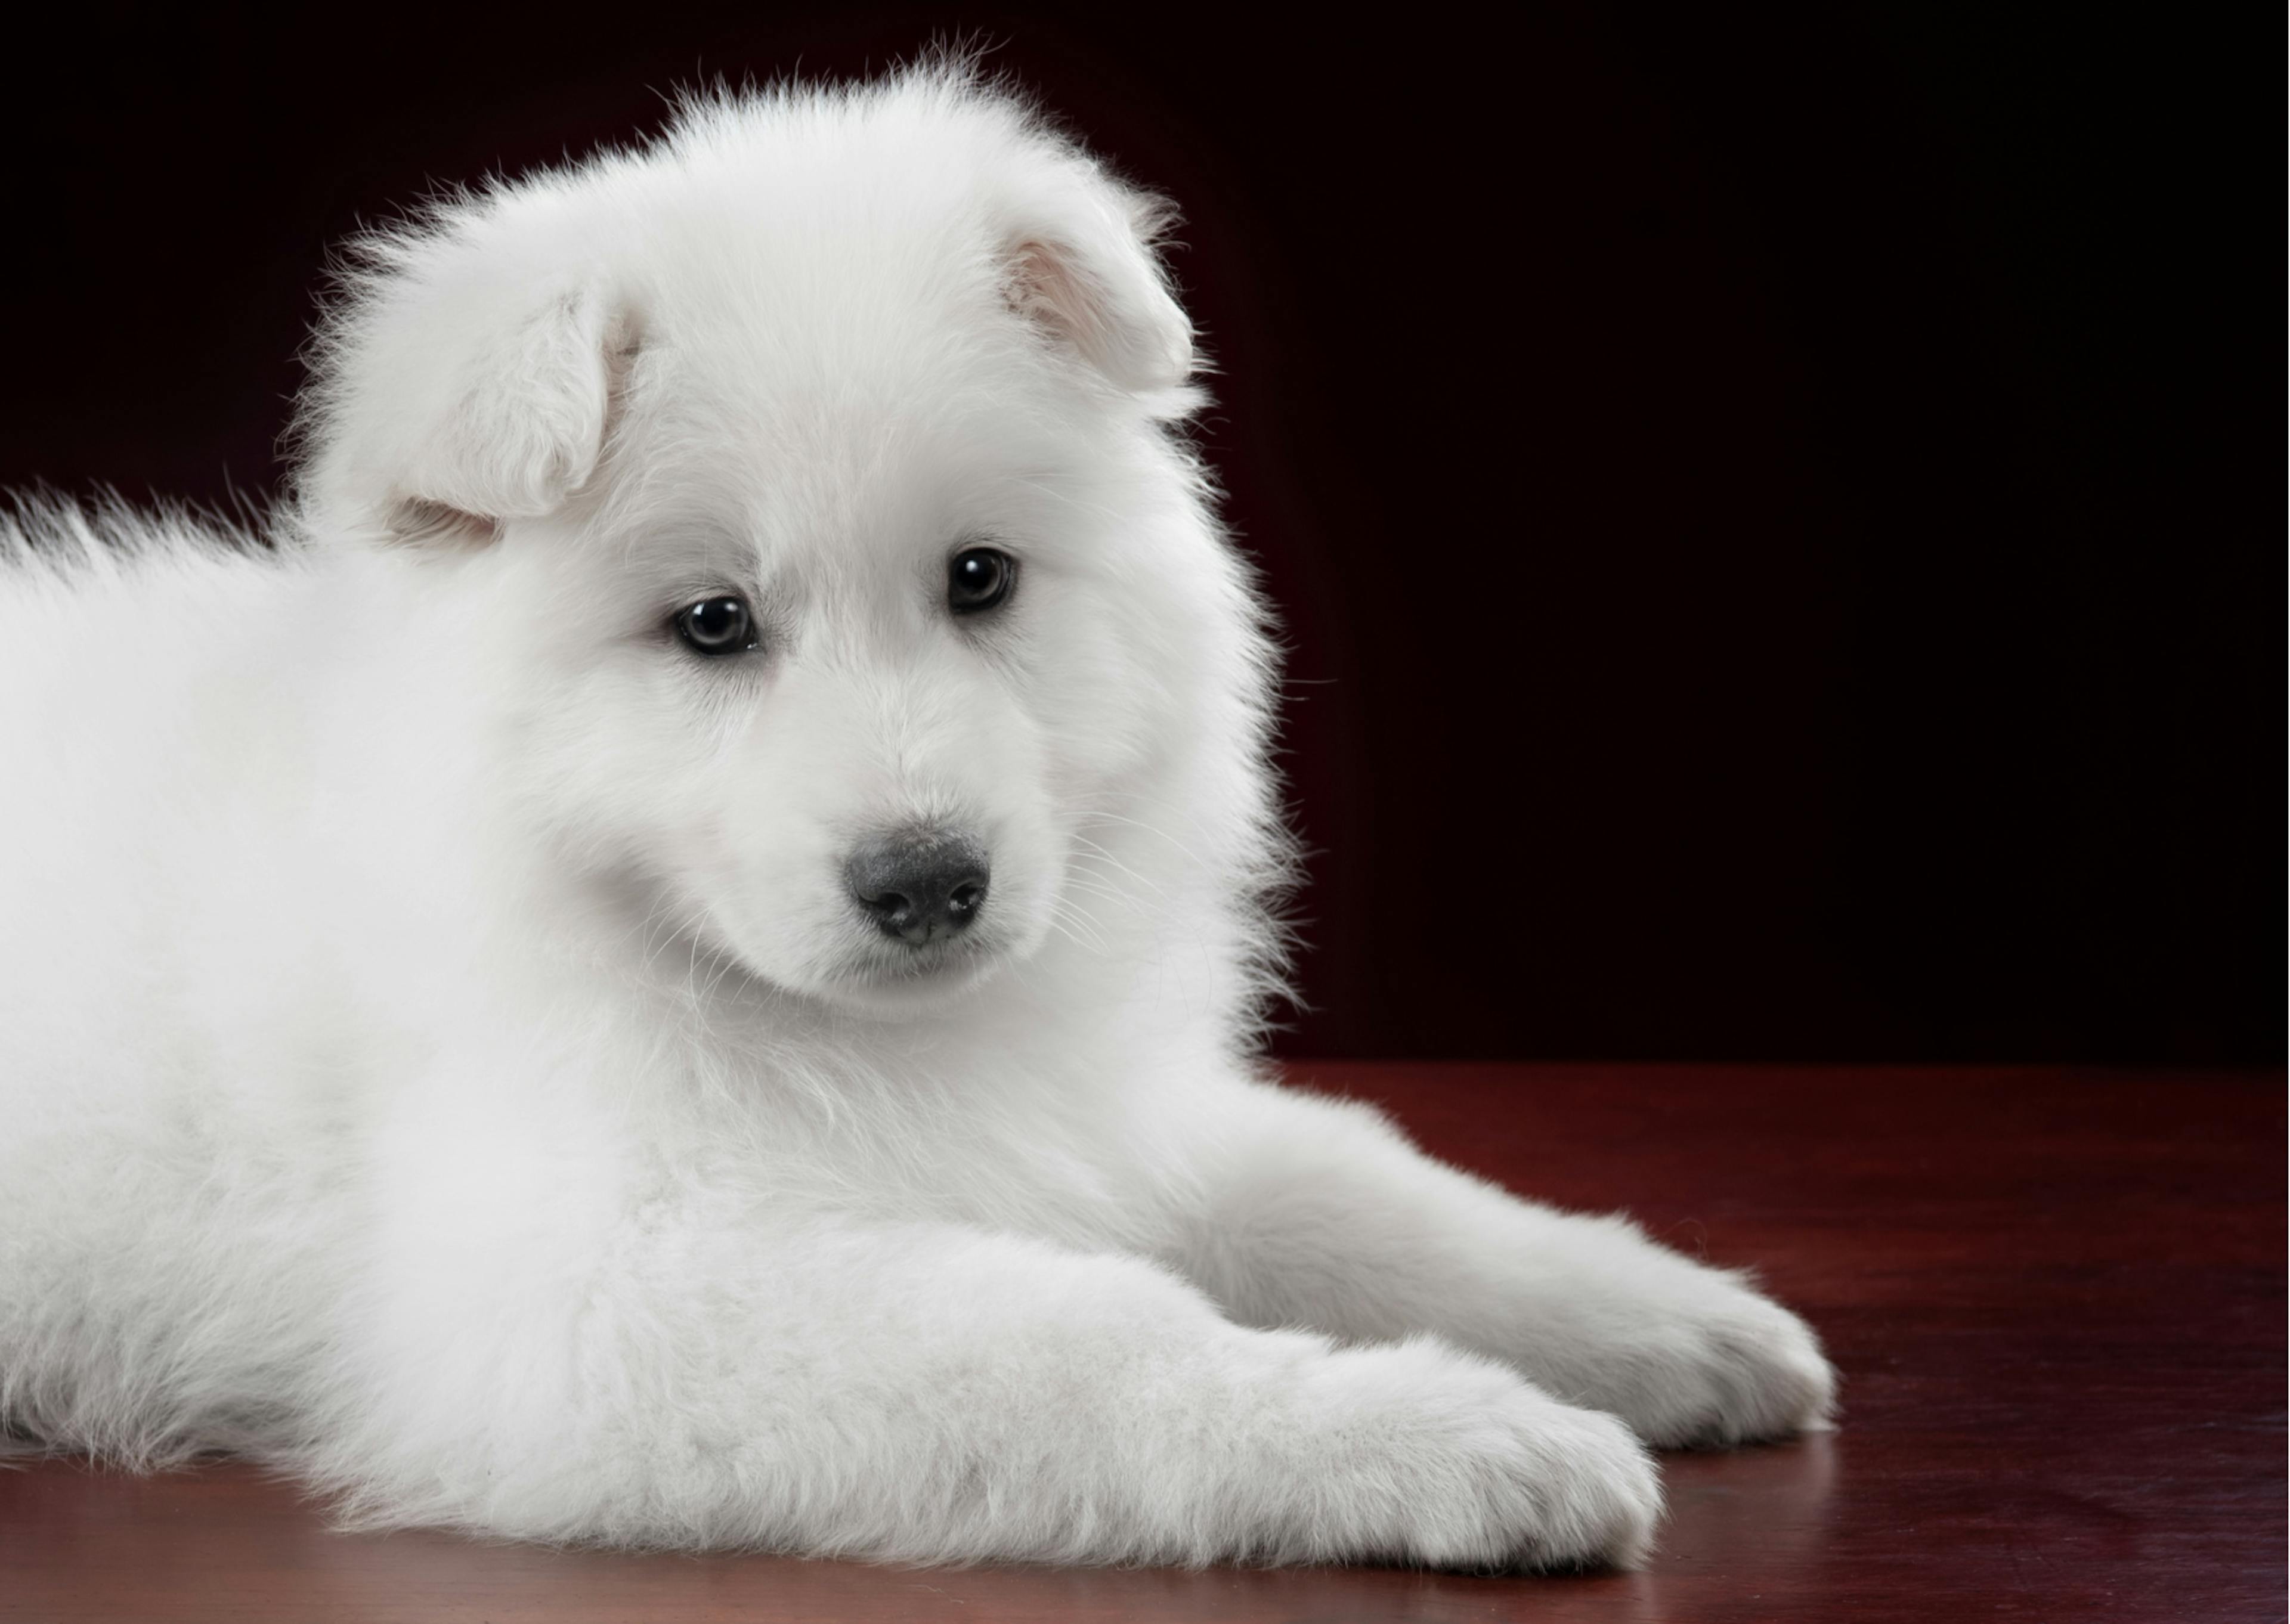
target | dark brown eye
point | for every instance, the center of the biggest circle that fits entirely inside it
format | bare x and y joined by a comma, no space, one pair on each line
978,578
717,626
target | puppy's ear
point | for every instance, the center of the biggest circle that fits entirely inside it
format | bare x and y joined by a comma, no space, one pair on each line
1081,264
459,388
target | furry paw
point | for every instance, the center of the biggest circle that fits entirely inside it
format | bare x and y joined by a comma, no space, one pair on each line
1720,1365
1433,1456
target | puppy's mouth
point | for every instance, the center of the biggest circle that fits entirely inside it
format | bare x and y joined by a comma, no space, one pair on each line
898,981
929,963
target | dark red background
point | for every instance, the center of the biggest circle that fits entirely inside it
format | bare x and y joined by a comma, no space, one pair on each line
1779,516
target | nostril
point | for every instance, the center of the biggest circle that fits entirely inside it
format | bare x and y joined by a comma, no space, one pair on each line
918,887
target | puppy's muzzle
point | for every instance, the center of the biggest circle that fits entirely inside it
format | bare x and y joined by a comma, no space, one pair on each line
918,886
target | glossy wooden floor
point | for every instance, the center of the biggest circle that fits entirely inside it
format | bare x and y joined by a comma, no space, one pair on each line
2057,1298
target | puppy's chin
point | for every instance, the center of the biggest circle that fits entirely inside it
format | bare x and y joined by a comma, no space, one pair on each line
890,990
884,983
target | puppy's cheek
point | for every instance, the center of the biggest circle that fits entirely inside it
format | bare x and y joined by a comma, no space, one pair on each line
1030,860
776,911
788,956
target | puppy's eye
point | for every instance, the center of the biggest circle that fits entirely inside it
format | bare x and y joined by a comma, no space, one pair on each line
717,626
978,578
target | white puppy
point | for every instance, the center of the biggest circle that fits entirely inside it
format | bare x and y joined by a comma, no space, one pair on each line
672,956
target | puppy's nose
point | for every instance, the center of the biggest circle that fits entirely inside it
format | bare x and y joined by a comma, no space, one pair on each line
918,885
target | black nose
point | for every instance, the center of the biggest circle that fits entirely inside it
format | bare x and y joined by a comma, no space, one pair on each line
919,885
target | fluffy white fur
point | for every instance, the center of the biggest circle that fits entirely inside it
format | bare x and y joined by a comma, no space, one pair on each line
438,1053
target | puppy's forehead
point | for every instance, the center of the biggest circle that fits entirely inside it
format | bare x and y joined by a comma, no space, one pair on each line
842,496
843,437
864,458
829,365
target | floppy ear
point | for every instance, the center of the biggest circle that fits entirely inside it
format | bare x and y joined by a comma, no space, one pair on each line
1082,267
460,389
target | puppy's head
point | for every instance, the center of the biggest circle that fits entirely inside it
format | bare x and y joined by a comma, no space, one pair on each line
808,478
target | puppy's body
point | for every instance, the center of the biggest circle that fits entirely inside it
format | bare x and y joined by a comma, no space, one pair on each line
443,1045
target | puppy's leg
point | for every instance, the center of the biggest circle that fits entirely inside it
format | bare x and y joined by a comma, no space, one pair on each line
933,1393
1319,1213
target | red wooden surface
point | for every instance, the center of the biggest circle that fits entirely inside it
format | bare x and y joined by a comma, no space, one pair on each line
2057,1298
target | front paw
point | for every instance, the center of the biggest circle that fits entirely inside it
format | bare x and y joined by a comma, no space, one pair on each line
1419,1452
1714,1363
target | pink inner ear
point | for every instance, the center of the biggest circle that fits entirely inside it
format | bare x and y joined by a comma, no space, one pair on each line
1048,287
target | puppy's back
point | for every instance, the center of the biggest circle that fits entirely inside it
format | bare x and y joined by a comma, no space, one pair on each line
141,706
